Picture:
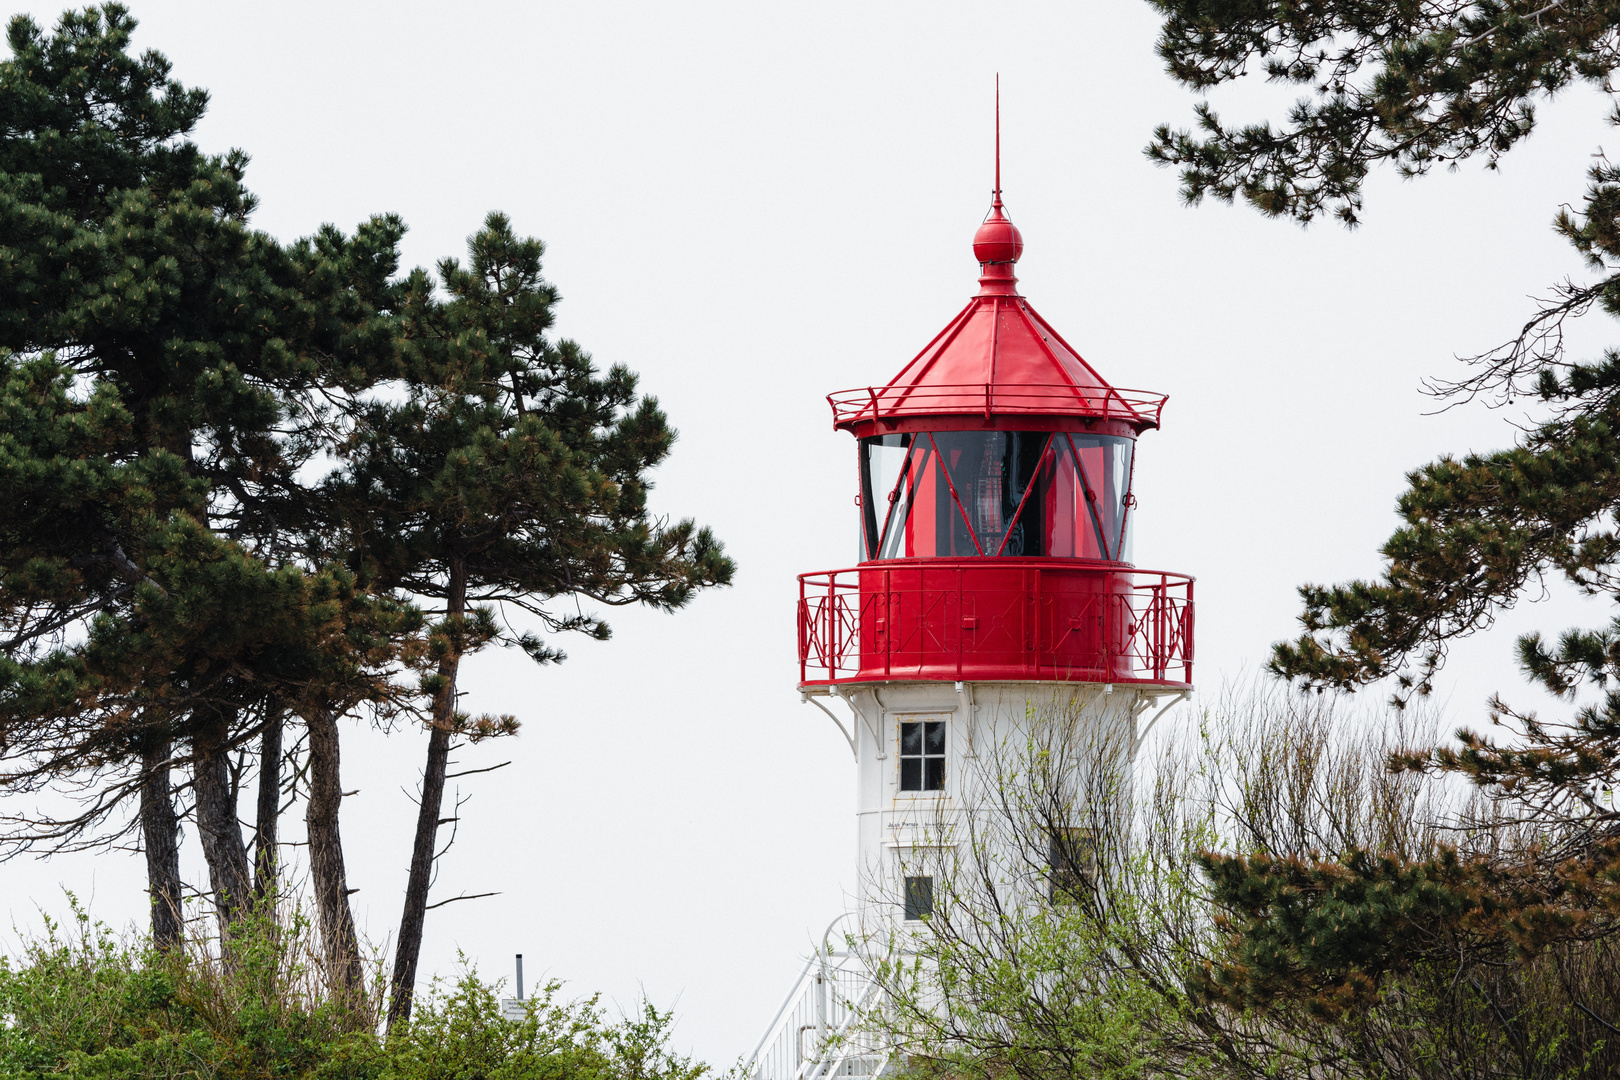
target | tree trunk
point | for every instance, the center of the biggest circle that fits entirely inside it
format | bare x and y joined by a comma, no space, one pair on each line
265,855
160,834
406,953
219,829
338,938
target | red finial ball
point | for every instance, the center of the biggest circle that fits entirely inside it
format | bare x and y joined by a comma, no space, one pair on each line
998,239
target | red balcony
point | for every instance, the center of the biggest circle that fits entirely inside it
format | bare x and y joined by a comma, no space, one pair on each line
1068,620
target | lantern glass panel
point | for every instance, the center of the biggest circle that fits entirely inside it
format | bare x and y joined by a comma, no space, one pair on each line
967,493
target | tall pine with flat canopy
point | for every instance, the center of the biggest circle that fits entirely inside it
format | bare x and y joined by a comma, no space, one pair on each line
507,473
1415,86
162,373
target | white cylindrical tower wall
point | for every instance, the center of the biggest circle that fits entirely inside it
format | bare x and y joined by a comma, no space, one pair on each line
987,729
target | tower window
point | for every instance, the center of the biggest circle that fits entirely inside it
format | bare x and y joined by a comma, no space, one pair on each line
1071,862
919,898
922,756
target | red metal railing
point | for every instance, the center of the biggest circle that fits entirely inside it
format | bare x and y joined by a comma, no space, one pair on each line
995,619
1044,399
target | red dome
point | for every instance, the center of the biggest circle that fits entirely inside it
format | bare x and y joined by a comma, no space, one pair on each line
998,239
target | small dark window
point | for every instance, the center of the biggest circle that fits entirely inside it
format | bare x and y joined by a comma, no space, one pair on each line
922,756
919,898
1071,861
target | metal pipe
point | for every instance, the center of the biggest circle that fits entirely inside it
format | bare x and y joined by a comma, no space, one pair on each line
520,976
821,1005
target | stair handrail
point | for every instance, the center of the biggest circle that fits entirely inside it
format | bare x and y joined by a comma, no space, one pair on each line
778,1022
820,1066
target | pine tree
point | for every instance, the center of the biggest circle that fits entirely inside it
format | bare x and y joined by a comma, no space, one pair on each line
511,474
1417,86
160,362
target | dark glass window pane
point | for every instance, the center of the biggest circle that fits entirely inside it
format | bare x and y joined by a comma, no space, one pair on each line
922,756
1077,489
919,897
1071,861
1088,482
911,738
883,462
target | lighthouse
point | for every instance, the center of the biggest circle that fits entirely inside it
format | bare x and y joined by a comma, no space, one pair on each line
996,476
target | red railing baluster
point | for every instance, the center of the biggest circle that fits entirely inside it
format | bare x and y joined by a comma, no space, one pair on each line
888,622
834,644
1160,619
1187,631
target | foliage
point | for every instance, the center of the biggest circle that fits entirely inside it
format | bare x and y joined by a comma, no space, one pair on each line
1488,910
507,472
460,1032
78,1002
232,466
1027,970
162,366
1412,84
509,454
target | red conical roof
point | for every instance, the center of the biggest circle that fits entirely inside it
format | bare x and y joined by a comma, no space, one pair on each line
998,364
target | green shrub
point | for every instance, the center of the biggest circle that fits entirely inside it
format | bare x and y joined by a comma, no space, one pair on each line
461,1034
80,1003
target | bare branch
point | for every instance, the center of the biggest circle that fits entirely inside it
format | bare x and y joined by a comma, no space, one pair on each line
464,896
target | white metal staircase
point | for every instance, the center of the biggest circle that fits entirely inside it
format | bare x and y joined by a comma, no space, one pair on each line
820,1032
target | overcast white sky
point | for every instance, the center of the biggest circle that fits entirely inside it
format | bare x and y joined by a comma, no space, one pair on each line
753,205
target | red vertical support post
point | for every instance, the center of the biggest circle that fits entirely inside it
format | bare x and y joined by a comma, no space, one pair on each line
804,644
888,621
1187,618
961,623
1149,627
814,647
1108,601
1032,627
1161,642
833,643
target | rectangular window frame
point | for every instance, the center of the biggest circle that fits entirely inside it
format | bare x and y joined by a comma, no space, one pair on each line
1071,864
924,771
918,893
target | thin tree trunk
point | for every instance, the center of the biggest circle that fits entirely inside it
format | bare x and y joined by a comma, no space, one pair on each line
265,855
409,949
160,835
219,829
338,938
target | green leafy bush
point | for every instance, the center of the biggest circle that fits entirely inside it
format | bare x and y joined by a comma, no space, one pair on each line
461,1033
79,1002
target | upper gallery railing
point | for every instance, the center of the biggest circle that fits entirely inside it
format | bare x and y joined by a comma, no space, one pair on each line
1009,619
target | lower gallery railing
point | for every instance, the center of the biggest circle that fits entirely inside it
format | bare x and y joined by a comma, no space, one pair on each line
1064,619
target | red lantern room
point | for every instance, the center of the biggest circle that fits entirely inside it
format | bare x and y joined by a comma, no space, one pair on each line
996,512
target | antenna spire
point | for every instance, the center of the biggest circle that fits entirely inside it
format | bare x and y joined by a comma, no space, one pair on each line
997,244
997,192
